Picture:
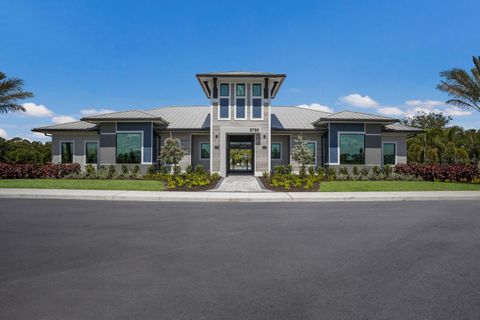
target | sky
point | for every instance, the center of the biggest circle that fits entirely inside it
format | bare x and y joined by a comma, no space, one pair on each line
85,57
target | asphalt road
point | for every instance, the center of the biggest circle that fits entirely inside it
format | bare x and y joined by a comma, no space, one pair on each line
133,260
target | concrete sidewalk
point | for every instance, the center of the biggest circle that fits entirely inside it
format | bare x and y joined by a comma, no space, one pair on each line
174,196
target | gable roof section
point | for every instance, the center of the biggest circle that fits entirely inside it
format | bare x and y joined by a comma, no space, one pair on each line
291,118
193,117
69,126
397,127
135,115
351,116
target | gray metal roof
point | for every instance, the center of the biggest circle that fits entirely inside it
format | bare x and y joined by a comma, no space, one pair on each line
290,118
198,118
240,74
192,117
401,128
354,116
69,126
124,115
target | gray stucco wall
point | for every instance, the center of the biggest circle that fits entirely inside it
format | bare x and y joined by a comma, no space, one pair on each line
195,157
284,140
78,139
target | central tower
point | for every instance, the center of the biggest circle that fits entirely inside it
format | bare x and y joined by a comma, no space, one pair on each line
240,122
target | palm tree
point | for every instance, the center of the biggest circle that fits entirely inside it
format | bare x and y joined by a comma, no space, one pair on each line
11,90
462,87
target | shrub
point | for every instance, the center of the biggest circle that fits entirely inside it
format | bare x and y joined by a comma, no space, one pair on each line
164,170
365,171
355,170
151,169
200,169
440,172
112,172
265,174
89,171
189,169
311,171
32,171
343,171
124,170
387,170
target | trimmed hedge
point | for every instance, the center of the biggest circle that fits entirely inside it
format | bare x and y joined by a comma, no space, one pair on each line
32,171
440,172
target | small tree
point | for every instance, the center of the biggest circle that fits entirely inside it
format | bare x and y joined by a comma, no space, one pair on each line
302,154
172,153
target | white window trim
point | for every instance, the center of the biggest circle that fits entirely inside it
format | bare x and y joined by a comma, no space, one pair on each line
396,156
141,157
338,147
98,151
200,149
261,103
316,151
239,97
281,149
220,97
73,149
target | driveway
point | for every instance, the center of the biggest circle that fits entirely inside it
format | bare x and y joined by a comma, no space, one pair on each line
67,259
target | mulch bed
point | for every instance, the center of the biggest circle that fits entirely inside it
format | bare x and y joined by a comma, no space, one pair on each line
268,186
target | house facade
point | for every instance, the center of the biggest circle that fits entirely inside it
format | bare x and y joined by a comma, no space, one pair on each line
238,132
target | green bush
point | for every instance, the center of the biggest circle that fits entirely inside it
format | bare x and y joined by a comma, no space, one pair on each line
200,169
151,169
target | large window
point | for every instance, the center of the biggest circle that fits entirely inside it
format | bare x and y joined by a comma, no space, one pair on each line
312,146
352,147
389,153
129,147
224,111
257,90
91,152
67,152
205,150
276,151
240,110
257,109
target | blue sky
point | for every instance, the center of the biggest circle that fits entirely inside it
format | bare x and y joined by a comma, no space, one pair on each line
80,57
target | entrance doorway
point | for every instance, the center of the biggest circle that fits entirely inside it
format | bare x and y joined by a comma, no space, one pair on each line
240,154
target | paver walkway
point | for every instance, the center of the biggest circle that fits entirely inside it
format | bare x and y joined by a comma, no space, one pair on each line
234,183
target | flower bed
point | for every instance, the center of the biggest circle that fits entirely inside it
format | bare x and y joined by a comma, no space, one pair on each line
35,171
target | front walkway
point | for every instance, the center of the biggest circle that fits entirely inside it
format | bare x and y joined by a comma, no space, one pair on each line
239,183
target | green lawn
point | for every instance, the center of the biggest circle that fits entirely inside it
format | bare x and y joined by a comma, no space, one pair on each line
345,186
140,185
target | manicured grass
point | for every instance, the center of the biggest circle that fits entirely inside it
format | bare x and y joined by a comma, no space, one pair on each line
346,186
139,185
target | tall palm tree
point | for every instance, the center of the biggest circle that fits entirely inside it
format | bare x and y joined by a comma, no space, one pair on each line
11,90
462,87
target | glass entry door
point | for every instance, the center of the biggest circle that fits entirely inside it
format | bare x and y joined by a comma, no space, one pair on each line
240,154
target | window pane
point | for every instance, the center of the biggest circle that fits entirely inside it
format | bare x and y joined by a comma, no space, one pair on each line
311,146
257,108
67,152
129,147
240,90
257,90
91,149
205,151
276,151
240,108
389,153
352,148
224,89
224,108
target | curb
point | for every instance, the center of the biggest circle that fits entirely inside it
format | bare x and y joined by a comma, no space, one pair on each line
177,196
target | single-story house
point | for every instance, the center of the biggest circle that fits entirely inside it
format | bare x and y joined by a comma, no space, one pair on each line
239,131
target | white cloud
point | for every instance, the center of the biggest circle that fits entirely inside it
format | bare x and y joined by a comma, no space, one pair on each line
430,104
92,112
36,110
316,106
3,134
40,136
391,111
63,119
357,100
295,90
454,111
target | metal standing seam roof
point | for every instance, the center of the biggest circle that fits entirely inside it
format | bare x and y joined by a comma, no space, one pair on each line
69,126
198,118
401,128
241,74
352,116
